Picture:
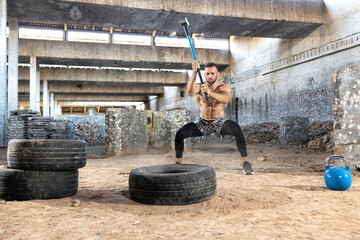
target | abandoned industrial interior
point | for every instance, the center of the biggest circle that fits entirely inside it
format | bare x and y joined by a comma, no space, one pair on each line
95,94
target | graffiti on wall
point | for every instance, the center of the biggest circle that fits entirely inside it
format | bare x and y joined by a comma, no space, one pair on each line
314,95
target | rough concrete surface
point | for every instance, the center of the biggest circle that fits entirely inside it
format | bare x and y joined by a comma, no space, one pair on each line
125,130
294,130
347,114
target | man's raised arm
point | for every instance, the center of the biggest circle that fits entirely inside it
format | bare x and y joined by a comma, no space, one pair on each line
192,87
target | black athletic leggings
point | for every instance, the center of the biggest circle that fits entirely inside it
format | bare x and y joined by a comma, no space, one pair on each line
191,130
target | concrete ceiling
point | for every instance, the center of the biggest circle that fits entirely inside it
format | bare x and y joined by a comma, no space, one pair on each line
75,12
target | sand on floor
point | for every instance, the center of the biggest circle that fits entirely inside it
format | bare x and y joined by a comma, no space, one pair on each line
285,199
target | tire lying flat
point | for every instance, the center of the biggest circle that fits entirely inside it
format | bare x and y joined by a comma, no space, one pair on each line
46,154
175,184
16,184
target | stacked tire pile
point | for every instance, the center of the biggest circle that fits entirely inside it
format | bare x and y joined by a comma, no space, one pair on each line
28,124
59,129
38,127
17,124
42,169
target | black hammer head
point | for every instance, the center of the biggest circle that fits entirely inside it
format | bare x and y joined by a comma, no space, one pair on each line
184,21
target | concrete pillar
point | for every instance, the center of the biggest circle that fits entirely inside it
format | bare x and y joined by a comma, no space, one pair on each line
37,88
13,65
45,98
52,104
3,71
58,110
32,91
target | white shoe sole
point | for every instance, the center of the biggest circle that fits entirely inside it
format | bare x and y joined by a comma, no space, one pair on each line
248,173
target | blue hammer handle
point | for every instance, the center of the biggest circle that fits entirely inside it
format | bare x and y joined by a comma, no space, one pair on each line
187,32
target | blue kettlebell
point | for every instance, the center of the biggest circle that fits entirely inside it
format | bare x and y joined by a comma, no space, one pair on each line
337,178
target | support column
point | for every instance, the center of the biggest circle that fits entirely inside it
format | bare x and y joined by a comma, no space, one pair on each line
37,88
32,91
45,98
3,71
56,108
52,104
13,65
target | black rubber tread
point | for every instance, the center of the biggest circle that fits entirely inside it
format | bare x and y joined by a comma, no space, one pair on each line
174,201
171,187
16,184
58,143
175,193
46,154
175,184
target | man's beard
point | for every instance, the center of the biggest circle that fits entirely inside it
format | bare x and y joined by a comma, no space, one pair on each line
212,81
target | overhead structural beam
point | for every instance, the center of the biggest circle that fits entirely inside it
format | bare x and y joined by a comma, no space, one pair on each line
85,103
93,98
105,55
109,76
101,98
88,103
99,90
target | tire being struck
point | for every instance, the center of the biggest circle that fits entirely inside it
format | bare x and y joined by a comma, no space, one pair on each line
173,184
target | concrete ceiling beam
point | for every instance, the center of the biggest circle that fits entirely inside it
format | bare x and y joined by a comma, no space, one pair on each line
98,89
80,76
112,55
92,98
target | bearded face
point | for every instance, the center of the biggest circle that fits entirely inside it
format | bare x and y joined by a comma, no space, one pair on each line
211,75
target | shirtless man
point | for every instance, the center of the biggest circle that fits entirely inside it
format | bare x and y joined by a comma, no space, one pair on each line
211,114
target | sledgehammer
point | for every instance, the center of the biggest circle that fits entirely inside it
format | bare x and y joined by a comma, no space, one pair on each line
185,23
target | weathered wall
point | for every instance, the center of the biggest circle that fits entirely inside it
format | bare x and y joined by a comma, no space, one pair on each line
274,78
125,130
347,113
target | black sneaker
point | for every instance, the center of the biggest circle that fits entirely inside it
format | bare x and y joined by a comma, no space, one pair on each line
247,168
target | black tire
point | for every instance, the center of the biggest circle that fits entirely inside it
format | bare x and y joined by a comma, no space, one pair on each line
16,184
46,154
175,184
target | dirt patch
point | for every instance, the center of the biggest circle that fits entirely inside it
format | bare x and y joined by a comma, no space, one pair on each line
285,199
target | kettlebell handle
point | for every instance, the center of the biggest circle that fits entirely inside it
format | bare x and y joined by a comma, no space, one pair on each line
336,157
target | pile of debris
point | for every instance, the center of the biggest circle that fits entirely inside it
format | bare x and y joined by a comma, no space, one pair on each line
91,131
321,136
262,133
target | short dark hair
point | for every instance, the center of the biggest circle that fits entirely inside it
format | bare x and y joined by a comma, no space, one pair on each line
211,64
